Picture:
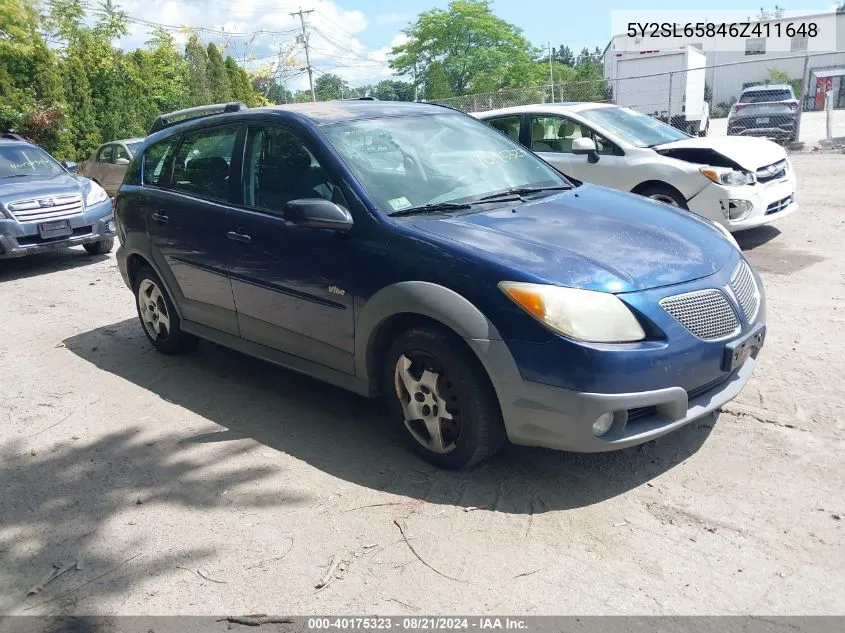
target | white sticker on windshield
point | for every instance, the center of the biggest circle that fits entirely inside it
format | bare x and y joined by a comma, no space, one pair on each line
399,203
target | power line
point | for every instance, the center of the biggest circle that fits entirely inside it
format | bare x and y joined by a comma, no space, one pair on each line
302,15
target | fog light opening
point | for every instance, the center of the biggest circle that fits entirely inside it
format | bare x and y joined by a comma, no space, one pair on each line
735,209
110,226
602,424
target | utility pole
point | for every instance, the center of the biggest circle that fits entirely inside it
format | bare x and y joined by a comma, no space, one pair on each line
302,15
551,73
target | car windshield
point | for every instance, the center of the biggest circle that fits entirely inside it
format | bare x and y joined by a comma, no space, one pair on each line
18,161
413,161
638,129
133,147
765,96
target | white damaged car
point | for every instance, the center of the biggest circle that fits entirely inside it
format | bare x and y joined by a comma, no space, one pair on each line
737,182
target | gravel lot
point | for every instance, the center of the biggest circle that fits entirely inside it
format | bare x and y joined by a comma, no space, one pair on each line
214,483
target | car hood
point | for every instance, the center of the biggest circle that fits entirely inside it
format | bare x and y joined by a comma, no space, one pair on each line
593,238
748,153
14,189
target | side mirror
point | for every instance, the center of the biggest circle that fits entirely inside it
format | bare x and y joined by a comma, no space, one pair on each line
70,166
586,146
121,161
318,213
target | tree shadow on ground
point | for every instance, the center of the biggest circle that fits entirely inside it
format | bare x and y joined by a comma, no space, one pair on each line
349,437
43,263
55,505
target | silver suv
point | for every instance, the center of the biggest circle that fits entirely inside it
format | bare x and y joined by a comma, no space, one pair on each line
44,205
771,111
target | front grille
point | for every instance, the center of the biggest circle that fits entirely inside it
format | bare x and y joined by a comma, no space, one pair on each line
641,412
46,209
780,205
745,290
705,313
775,171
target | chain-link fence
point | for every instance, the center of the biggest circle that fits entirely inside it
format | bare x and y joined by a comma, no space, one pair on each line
704,100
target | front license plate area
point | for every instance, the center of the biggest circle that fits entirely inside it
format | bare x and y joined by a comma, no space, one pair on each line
737,352
51,230
762,120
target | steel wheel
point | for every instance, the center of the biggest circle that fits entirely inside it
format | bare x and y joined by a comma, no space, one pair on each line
430,403
153,310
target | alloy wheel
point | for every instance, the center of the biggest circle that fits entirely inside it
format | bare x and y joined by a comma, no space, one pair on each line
430,402
153,309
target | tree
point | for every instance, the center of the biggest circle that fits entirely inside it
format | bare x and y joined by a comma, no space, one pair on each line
436,82
83,135
330,86
774,14
392,90
564,55
219,90
167,72
197,84
448,49
30,85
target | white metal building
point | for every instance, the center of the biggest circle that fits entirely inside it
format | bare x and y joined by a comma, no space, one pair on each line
751,59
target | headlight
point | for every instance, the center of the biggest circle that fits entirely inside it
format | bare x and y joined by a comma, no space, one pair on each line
728,235
728,176
585,315
95,195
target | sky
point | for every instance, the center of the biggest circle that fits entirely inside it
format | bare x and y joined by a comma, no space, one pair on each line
353,38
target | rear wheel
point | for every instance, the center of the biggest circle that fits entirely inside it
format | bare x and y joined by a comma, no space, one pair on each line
158,316
100,248
441,396
664,194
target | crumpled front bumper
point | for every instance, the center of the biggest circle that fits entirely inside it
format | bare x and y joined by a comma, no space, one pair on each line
769,202
18,239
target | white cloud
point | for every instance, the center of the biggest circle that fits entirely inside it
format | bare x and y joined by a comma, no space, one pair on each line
392,18
334,33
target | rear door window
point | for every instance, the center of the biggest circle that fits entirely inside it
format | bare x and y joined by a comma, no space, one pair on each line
508,125
203,162
156,159
106,154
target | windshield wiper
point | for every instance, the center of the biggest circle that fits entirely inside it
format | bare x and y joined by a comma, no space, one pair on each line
18,176
431,208
522,191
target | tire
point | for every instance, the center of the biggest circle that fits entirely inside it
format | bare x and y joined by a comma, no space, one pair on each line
158,316
100,248
665,194
461,386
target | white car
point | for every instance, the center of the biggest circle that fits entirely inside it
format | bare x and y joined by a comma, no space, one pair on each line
737,182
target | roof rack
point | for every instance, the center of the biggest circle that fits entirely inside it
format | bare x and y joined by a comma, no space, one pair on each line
180,116
12,136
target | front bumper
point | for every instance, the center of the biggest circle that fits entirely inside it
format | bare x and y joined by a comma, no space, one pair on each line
540,415
551,394
769,202
18,239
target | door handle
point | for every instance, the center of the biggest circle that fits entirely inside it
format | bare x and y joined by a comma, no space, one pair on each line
239,237
161,217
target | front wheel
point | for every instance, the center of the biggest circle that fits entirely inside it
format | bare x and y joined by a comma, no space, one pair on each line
664,194
442,398
100,248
